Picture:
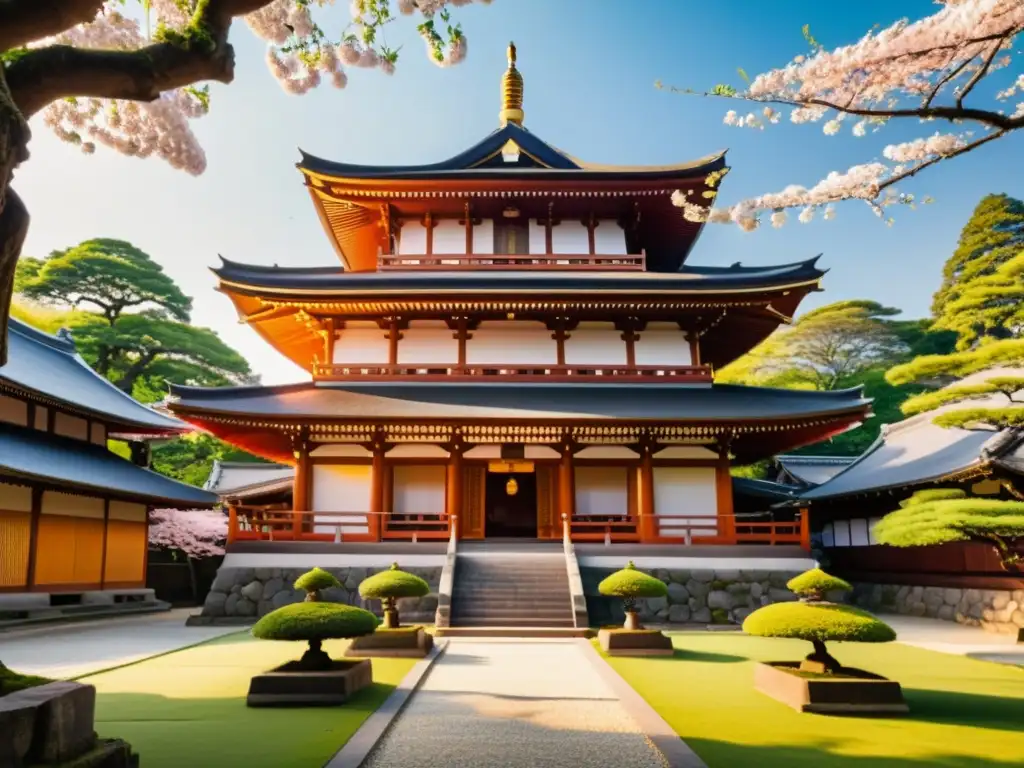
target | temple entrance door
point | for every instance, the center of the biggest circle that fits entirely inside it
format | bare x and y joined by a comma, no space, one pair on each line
511,505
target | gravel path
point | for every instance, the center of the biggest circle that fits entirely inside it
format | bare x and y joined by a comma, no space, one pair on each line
514,703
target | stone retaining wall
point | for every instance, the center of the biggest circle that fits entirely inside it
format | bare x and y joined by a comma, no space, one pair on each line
996,610
694,596
252,592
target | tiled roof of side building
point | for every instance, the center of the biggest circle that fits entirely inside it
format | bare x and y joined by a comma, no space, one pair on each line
722,402
689,280
483,160
227,476
50,366
75,465
814,470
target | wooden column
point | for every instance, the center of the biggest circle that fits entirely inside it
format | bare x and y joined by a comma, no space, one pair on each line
648,527
548,224
453,493
469,229
805,529
723,494
33,534
566,483
300,484
630,336
393,335
560,335
591,224
429,222
232,522
103,547
462,335
378,476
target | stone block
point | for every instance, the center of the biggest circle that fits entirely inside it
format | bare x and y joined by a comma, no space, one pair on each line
698,588
1017,619
777,595
917,609
271,587
679,614
262,574
998,600
754,575
679,576
738,588
214,604
933,596
286,597
779,579
335,595
701,616
231,604
756,590
703,576
740,614
677,593
245,607
655,604
946,612
720,599
952,596
50,723
253,591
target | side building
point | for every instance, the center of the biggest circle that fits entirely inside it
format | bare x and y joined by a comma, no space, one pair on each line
73,515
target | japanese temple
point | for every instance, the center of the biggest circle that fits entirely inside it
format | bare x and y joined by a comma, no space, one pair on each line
513,338
73,515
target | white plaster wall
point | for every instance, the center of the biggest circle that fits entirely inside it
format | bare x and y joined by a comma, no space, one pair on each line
609,238
123,510
513,342
607,452
418,489
72,505
538,238
662,344
15,498
361,343
685,452
570,237
841,530
412,238
483,237
429,342
449,237
601,491
340,449
689,491
341,488
417,451
857,532
595,344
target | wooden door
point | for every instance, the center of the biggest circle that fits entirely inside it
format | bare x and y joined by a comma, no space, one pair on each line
473,500
512,238
548,524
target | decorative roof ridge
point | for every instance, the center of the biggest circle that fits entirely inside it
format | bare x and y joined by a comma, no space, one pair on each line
811,459
65,345
214,477
177,390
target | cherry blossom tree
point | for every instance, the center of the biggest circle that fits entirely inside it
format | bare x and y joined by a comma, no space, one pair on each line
192,534
928,70
127,74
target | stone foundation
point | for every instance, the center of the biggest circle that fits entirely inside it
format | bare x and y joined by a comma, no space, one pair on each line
996,610
694,596
240,593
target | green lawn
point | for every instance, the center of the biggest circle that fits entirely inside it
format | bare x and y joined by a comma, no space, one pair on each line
188,708
964,713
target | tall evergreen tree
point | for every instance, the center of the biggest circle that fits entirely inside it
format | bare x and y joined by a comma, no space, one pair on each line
992,236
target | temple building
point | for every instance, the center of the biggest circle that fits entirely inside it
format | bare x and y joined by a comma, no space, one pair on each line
513,335
73,515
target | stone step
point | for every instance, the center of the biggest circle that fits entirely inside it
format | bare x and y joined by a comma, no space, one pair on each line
512,616
514,631
512,621
553,598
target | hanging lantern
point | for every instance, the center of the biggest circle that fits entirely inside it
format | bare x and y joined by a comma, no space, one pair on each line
511,487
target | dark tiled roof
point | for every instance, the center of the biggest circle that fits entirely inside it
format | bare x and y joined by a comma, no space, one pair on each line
50,366
233,476
814,470
717,402
689,280
762,489
75,464
538,159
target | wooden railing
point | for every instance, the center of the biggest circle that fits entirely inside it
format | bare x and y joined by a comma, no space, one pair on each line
603,528
444,262
688,529
263,524
514,372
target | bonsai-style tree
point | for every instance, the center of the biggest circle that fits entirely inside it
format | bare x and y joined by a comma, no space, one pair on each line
632,585
315,621
815,619
939,516
388,586
313,581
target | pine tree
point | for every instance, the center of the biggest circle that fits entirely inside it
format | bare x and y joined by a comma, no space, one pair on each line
992,236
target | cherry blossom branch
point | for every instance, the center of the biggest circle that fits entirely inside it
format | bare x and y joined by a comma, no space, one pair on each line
939,158
22,21
982,71
945,79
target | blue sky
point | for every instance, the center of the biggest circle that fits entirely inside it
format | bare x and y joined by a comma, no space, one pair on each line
589,71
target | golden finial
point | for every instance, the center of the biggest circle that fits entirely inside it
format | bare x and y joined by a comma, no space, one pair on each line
511,92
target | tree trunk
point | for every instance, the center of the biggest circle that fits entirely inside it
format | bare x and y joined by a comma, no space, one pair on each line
193,579
390,607
820,661
14,136
316,658
632,620
126,382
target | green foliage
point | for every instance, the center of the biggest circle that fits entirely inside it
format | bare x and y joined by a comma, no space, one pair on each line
756,471
815,583
989,355
1003,385
190,458
392,584
315,621
974,418
818,621
940,518
993,236
632,584
11,681
933,494
315,580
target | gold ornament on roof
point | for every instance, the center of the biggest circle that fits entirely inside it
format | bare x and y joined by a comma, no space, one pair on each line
511,92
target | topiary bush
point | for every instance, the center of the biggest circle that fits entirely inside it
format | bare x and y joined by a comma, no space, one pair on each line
315,622
632,585
387,586
315,580
817,621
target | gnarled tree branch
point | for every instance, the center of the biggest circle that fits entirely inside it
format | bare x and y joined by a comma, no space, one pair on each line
22,21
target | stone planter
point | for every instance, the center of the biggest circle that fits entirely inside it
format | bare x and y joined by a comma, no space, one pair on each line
851,692
292,684
634,642
404,642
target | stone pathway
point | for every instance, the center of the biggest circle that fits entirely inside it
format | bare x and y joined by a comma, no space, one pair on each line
949,637
78,648
511,703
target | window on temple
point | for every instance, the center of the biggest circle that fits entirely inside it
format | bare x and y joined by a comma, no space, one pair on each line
512,238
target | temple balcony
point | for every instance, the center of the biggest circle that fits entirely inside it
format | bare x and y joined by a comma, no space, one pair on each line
617,374
532,261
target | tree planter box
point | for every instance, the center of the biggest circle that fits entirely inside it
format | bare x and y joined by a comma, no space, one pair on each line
634,642
292,684
405,642
852,691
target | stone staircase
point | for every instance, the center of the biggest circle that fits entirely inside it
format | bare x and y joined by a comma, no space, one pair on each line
513,586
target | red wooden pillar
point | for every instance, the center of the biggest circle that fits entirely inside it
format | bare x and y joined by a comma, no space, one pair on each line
805,529
453,496
300,488
566,483
723,488
232,523
648,525
378,475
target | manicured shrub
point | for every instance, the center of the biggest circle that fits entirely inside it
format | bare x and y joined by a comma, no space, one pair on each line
387,586
817,621
315,622
313,581
632,585
11,681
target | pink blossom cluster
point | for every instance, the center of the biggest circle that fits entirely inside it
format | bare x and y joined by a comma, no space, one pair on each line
924,148
137,129
195,532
